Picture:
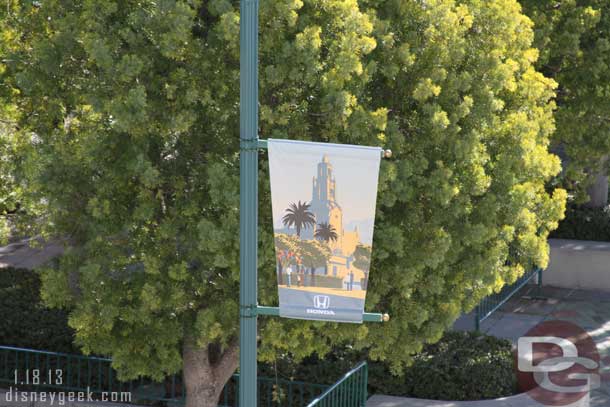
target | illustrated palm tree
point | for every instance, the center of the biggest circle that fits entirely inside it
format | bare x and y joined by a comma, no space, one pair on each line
326,232
299,216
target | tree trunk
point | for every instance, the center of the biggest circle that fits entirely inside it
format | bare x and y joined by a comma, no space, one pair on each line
204,380
598,191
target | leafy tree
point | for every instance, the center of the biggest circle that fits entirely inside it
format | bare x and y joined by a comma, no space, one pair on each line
574,42
326,232
8,188
299,216
463,208
134,108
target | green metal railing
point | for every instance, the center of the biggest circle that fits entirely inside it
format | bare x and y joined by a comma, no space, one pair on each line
349,391
34,369
492,303
273,392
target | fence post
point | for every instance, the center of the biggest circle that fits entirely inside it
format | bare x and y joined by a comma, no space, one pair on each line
365,390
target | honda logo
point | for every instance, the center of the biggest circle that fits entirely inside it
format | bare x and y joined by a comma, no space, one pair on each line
321,301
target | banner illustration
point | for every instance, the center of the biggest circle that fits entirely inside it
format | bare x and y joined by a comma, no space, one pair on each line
323,199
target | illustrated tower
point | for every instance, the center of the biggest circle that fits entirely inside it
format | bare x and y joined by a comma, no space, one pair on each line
324,201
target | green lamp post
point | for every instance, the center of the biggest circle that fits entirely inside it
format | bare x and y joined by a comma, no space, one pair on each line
248,222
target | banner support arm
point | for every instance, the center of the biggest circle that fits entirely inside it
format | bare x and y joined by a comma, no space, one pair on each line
262,144
366,317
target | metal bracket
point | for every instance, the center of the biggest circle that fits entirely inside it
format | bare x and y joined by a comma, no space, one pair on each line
249,144
248,311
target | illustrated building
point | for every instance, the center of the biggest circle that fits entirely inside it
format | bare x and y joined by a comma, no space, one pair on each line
326,209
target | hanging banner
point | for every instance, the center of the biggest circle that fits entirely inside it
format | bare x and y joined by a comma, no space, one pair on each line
323,198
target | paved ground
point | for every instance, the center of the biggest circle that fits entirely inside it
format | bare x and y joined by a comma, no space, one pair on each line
521,400
585,308
21,254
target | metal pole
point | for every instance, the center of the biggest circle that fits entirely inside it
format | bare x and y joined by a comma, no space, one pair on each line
477,318
248,222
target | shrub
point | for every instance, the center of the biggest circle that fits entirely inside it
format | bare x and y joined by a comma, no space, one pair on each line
26,322
585,224
461,366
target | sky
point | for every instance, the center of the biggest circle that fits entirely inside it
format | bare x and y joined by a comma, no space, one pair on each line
293,164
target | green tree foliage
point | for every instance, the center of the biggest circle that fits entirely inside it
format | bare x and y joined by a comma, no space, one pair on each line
9,189
464,210
574,42
135,110
15,140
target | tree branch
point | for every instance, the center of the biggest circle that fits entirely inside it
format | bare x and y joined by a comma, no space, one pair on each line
228,362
